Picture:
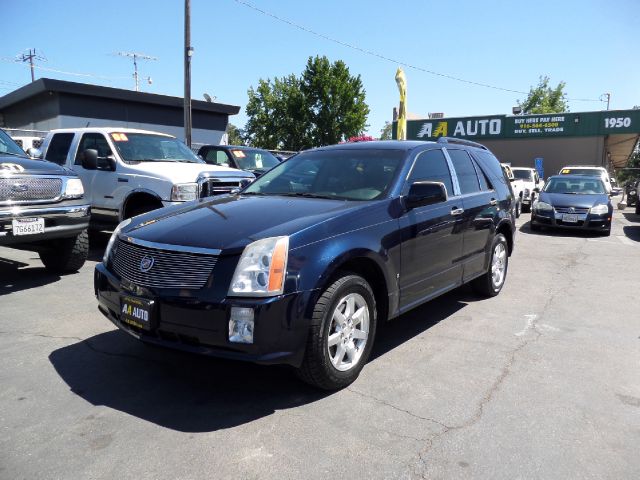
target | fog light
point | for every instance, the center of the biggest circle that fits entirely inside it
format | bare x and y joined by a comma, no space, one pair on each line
241,325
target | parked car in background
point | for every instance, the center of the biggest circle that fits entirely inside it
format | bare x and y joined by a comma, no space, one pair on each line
302,265
532,184
127,172
517,186
588,170
254,160
43,209
615,188
631,191
30,144
574,202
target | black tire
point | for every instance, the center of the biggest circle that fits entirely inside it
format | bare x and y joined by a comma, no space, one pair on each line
317,368
606,233
66,255
526,208
638,208
140,209
485,285
518,208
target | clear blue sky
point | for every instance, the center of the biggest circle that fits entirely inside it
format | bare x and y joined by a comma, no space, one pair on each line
591,45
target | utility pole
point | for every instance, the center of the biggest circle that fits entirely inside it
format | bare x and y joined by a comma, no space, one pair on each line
188,52
30,57
608,95
136,57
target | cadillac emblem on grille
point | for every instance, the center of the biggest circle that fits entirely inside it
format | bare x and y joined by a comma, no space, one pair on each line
146,263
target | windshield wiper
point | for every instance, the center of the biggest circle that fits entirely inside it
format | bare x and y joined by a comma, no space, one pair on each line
306,195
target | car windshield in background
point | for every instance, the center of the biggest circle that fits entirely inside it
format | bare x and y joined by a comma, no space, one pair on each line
144,147
8,146
583,186
254,159
581,171
340,174
523,174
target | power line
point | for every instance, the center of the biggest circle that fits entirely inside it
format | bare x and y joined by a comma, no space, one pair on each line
77,74
30,57
389,59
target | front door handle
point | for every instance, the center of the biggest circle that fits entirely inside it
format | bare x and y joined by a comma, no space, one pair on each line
493,201
457,211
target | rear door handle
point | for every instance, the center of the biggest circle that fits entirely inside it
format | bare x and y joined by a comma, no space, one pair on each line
493,201
457,211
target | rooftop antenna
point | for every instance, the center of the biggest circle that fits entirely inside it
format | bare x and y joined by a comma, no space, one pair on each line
30,57
137,56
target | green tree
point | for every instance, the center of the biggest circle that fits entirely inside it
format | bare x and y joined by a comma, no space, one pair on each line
386,132
545,99
325,105
235,135
633,164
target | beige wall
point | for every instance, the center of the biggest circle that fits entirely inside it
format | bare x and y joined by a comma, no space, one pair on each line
556,152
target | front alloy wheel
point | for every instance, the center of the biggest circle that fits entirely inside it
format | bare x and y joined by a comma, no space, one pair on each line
341,335
492,281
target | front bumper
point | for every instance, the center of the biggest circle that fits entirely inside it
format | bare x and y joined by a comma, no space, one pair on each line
586,221
188,321
61,221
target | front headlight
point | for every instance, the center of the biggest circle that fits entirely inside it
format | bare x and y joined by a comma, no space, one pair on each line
599,209
543,206
261,269
632,192
113,238
184,192
73,188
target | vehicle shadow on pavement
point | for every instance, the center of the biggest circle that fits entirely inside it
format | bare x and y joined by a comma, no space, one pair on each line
632,217
632,232
14,277
98,241
192,393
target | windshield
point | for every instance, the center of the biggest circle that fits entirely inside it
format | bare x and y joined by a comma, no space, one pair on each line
254,159
584,186
341,174
523,174
582,171
145,147
8,146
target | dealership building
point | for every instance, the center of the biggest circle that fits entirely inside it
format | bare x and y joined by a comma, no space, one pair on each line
47,104
547,142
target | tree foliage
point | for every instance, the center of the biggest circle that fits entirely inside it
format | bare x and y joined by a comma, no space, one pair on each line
633,164
325,105
235,135
387,131
545,99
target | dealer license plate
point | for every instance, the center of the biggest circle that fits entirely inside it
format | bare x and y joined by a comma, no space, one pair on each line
570,218
27,226
136,311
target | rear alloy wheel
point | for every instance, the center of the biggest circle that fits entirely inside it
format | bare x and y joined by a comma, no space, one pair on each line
492,282
342,334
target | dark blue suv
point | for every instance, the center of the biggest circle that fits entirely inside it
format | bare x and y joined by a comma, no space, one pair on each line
303,264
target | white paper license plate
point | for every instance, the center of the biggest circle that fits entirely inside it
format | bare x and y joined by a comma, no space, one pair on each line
570,218
27,226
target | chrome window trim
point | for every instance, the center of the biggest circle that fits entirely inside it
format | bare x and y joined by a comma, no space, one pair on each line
452,172
170,247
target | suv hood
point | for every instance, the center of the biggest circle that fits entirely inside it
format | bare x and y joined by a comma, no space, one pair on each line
181,172
233,221
28,166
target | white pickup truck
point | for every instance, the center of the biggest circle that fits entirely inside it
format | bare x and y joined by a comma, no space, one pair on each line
126,172
516,185
532,185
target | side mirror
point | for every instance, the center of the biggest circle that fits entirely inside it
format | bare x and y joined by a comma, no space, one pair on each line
245,182
89,159
34,152
107,163
425,193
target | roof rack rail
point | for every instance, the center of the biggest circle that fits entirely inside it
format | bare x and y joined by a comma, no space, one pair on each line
461,141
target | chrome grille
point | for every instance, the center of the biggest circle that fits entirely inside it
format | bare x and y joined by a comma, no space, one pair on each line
575,210
170,269
210,188
20,189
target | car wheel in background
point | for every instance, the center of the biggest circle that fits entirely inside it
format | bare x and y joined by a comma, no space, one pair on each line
66,255
342,334
518,208
492,282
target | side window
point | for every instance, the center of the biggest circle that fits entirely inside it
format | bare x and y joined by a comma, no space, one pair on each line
222,158
432,166
59,148
485,183
467,176
95,141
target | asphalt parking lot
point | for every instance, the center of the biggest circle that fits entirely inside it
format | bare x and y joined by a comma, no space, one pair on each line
539,382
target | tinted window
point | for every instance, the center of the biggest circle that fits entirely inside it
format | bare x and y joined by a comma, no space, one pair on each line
574,185
522,174
218,157
59,148
432,166
485,183
95,141
467,177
